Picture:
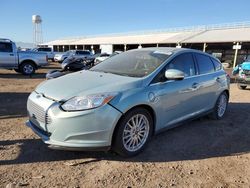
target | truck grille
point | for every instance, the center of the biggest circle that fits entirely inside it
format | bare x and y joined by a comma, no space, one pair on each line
38,112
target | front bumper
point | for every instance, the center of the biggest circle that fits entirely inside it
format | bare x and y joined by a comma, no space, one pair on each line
82,130
243,81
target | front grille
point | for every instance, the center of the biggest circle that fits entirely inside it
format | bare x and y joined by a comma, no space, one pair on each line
38,113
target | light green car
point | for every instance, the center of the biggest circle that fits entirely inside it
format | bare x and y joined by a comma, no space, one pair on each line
125,100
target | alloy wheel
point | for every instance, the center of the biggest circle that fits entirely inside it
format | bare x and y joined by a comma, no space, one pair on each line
136,132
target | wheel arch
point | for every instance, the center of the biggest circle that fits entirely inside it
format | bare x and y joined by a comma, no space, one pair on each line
227,92
28,61
145,106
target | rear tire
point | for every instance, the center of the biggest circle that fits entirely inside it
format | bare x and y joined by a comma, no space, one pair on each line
220,106
133,132
27,68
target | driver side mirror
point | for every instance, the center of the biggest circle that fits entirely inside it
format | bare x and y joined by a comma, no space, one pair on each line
174,74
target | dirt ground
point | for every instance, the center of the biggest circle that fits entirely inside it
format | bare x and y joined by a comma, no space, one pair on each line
201,153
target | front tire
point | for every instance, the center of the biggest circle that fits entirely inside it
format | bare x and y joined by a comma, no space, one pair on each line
133,132
220,106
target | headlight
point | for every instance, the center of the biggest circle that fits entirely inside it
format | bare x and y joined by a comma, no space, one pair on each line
87,102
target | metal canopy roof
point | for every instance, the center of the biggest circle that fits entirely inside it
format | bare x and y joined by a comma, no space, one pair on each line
237,32
222,35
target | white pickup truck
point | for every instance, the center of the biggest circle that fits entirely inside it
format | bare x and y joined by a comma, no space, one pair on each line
23,62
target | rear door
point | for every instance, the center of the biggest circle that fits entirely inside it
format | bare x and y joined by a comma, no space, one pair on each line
209,80
7,56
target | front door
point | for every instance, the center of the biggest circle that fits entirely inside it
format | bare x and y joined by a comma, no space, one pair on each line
176,100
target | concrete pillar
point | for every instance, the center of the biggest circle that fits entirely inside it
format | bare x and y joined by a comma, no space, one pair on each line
139,46
76,47
63,48
125,47
157,45
204,47
83,47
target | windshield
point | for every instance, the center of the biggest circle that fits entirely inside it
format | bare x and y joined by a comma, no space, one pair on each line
133,63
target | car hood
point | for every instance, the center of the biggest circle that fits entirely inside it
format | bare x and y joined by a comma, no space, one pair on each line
85,83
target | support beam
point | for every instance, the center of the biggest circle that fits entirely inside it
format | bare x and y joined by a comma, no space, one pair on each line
236,47
125,47
92,49
204,47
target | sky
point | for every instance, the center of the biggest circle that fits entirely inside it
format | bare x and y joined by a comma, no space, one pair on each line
69,18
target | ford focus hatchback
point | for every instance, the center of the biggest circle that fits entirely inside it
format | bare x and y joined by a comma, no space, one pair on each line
120,103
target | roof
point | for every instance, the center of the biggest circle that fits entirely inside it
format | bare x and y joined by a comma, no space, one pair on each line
210,34
222,35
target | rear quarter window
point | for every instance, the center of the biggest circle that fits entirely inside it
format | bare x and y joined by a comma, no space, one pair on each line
205,64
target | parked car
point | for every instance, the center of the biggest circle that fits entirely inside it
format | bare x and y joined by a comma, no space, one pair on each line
47,50
60,57
101,57
69,65
25,62
243,74
123,101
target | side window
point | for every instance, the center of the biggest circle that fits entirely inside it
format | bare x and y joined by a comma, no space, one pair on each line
82,52
86,53
204,63
47,49
183,62
217,64
5,47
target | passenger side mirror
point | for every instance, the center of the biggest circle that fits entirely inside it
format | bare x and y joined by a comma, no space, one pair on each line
174,74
